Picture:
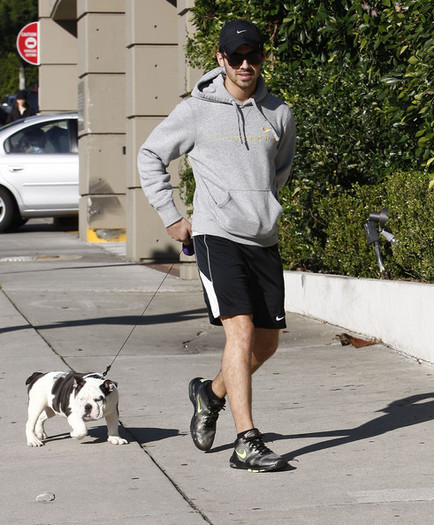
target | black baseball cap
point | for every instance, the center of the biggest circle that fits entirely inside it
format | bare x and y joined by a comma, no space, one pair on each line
238,32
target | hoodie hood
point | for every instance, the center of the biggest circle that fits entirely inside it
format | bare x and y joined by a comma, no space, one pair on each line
211,88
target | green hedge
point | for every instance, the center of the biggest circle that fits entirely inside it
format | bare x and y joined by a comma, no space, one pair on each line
341,216
411,210
339,245
358,76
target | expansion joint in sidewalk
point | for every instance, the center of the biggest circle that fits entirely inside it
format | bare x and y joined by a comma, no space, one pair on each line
172,482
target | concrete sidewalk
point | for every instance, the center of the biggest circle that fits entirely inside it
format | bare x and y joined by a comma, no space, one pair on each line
356,424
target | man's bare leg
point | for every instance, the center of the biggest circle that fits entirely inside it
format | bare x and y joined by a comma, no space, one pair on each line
236,368
264,346
241,356
246,349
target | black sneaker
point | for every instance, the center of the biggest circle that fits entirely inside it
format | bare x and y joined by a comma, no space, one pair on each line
253,455
206,413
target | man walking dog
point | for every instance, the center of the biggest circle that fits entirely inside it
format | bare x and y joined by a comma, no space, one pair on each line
240,141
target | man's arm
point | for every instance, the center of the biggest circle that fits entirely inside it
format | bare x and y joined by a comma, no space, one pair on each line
171,139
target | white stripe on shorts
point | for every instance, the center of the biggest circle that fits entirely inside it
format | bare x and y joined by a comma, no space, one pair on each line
212,297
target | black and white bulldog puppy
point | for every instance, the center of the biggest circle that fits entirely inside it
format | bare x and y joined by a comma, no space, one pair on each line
78,397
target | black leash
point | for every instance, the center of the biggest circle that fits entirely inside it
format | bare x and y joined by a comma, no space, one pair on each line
188,251
141,315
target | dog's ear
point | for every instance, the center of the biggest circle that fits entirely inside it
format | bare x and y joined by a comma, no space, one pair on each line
78,381
108,386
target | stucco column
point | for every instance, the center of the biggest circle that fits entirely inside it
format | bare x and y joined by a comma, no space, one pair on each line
152,80
58,54
101,106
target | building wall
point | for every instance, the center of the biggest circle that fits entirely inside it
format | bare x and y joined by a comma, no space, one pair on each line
58,67
121,64
102,126
151,72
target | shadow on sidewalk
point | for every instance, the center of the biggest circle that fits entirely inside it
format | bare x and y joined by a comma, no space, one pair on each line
145,435
142,435
398,414
126,320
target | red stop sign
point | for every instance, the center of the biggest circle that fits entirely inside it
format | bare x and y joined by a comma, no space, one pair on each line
28,43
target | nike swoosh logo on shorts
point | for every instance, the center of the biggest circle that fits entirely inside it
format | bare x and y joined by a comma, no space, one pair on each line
279,318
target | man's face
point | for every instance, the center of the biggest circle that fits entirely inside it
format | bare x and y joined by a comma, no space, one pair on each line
241,73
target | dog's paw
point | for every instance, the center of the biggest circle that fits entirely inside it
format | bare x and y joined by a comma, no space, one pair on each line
78,434
41,436
33,441
116,440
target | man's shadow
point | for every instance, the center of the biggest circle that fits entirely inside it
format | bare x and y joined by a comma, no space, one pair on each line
398,414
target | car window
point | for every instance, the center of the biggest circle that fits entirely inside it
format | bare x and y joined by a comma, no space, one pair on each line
56,136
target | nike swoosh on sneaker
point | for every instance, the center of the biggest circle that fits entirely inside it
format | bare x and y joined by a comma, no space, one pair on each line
242,455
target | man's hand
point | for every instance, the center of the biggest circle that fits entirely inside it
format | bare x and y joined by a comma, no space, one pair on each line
180,231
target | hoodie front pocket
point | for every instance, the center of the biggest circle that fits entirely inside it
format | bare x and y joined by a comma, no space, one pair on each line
248,213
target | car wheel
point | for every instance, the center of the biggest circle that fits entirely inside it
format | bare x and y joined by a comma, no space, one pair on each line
8,210
18,222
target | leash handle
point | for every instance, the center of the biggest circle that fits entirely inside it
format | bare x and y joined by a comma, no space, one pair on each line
188,249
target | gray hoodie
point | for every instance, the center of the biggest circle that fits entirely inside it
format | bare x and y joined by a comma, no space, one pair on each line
241,156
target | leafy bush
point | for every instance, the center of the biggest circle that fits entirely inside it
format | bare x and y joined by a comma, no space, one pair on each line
187,185
411,211
300,235
358,76
346,251
387,44
411,220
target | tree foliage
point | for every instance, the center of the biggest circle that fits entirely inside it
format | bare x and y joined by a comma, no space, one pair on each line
14,15
388,45
380,53
358,75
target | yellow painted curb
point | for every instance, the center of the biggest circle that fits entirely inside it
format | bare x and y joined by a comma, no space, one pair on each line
106,235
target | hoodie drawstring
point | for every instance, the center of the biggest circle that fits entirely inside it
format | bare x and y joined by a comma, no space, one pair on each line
241,122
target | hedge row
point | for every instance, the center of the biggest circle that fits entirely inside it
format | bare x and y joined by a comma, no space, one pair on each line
358,76
340,245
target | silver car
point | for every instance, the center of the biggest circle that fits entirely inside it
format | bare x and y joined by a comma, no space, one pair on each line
38,169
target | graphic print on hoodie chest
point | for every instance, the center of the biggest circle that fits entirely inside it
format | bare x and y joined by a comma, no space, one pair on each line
245,127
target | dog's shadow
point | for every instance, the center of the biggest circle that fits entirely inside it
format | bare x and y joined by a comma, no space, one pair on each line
142,435
57,437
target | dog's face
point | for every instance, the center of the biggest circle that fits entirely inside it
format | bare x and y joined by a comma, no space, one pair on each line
90,397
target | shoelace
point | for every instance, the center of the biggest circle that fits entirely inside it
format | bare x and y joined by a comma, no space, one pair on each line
213,415
258,444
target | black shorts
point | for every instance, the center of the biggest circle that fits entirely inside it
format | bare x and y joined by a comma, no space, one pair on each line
241,279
